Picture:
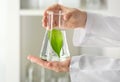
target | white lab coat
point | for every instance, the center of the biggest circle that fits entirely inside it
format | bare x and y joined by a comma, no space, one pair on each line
100,31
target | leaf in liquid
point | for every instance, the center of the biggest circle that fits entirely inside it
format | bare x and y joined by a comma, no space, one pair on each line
56,40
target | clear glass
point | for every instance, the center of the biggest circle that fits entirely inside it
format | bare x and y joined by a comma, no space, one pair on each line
33,72
55,47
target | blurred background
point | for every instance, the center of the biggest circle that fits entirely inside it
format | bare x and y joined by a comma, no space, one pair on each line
32,34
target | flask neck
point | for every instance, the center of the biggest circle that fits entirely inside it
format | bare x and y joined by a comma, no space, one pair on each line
55,20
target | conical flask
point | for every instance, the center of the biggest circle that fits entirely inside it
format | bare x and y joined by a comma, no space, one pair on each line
54,47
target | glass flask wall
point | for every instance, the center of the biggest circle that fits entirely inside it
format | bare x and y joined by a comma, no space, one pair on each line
49,54
55,47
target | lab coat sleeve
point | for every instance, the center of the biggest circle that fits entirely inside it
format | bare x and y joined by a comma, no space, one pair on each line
100,31
86,68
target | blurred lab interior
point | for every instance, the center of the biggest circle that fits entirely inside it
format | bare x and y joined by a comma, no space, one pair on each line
32,34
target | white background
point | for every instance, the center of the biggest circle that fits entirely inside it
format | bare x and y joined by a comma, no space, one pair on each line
3,38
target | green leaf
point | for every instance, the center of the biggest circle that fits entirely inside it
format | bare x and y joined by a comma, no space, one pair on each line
56,40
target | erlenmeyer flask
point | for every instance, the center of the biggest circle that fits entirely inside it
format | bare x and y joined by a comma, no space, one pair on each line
55,47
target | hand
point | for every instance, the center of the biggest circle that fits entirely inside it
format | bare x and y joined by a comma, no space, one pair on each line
72,18
52,65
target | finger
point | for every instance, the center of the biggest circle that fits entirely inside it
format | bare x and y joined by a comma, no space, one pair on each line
55,21
44,21
37,60
63,8
53,8
43,63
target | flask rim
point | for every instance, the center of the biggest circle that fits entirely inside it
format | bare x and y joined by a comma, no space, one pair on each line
55,13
